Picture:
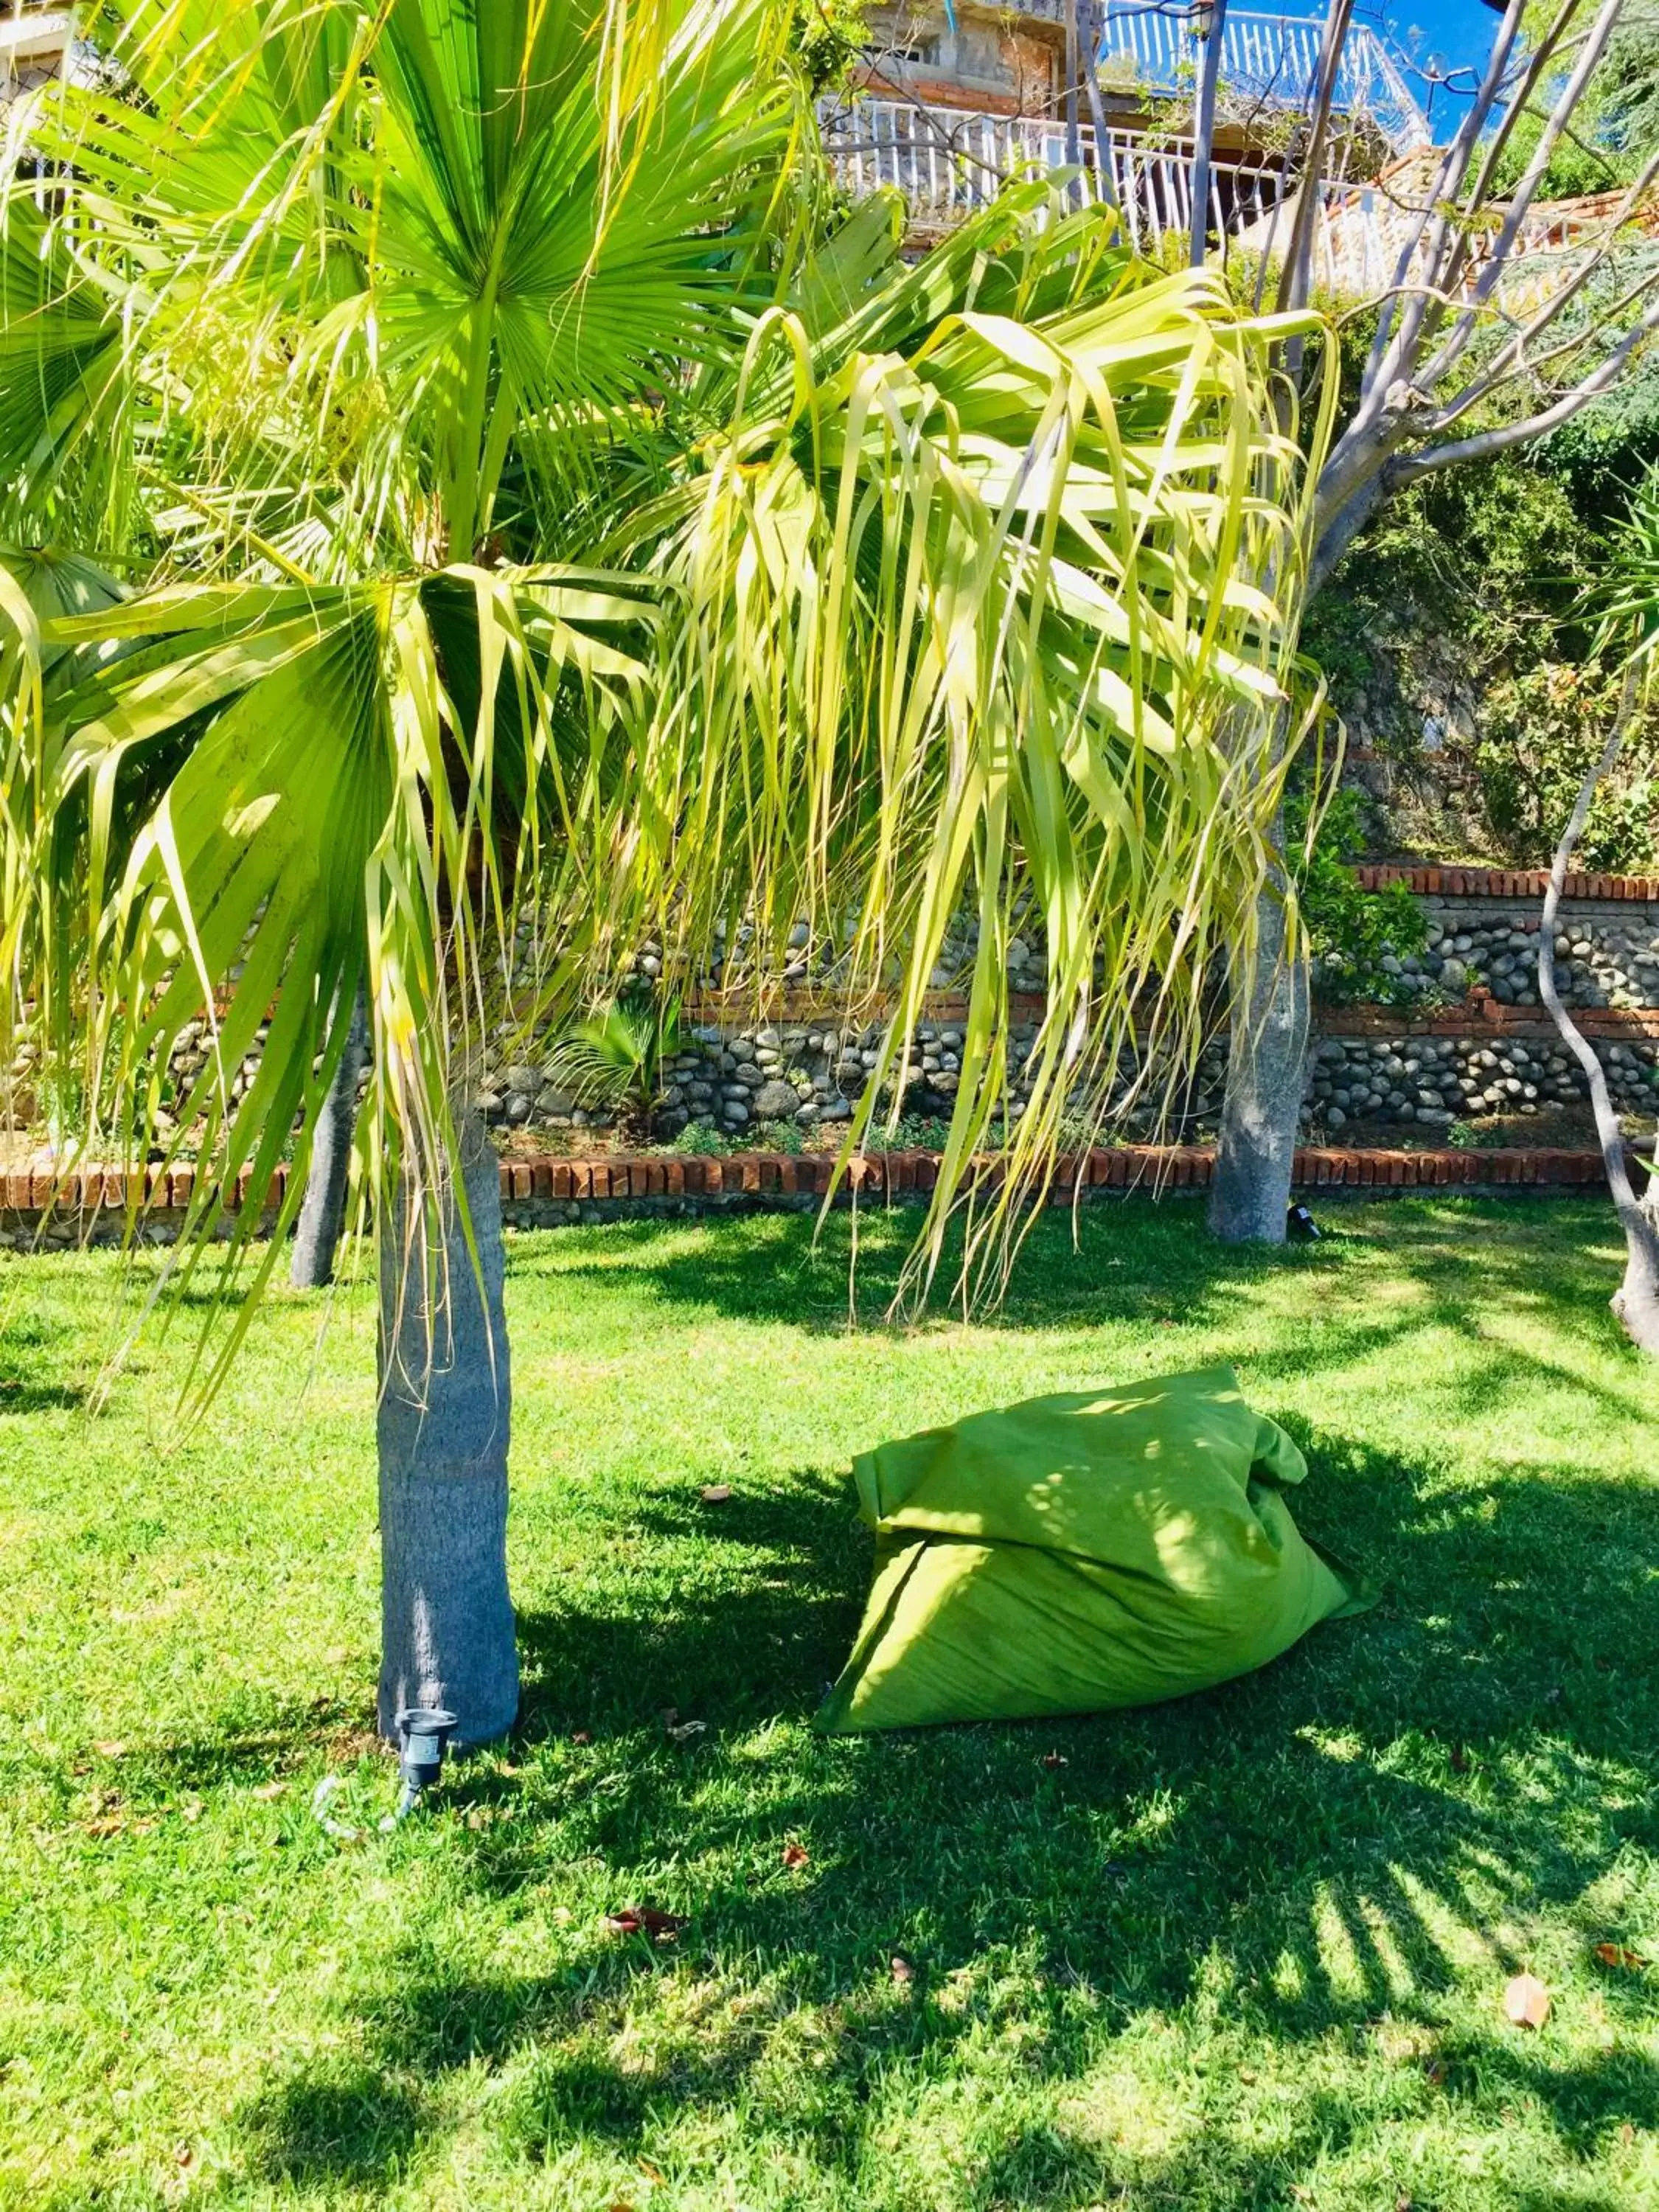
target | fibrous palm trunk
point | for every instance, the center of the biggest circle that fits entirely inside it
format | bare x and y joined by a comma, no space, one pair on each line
448,1630
1267,1068
322,1216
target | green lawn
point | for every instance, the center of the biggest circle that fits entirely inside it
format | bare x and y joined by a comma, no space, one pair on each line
1244,1951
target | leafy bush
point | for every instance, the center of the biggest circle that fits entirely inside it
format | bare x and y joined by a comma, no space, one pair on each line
1351,930
826,37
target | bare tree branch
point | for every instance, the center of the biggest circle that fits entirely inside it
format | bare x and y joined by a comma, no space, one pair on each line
1407,468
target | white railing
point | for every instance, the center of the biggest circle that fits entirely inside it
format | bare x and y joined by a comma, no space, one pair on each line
947,162
1270,58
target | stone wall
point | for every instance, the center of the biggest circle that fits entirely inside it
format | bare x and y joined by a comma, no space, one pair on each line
1472,1043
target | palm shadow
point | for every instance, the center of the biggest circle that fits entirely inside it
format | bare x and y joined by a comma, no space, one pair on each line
1334,1838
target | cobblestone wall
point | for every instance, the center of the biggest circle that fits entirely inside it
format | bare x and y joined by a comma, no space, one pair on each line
1437,1060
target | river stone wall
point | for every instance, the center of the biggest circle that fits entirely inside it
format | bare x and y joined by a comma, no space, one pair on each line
1471,1040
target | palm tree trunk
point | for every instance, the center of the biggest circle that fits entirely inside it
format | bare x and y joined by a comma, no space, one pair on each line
1266,1066
447,1631
322,1215
1636,1302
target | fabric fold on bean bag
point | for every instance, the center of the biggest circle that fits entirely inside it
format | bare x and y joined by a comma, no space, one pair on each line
1081,1552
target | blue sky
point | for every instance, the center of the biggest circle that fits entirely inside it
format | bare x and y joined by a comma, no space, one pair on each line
1458,31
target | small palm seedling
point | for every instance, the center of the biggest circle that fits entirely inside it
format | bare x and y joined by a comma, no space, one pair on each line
612,1062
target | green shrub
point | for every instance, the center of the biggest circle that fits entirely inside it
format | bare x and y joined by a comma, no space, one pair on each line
1351,930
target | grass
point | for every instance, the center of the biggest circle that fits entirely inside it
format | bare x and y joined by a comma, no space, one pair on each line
1243,1950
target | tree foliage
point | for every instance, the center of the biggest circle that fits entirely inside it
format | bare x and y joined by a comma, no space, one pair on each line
539,528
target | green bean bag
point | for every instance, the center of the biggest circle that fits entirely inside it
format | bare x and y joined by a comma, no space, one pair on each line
1094,1549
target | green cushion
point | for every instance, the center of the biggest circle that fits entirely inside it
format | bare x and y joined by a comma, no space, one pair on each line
1093,1549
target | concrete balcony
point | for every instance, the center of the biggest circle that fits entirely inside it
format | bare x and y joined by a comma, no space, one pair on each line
33,43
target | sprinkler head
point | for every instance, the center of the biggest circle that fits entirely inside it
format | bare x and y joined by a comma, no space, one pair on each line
423,1733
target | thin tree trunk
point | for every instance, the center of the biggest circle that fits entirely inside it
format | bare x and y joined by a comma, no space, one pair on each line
447,1631
322,1215
1636,1302
1204,131
1267,1063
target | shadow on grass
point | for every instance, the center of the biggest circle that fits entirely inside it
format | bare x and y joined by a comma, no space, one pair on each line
1329,1849
1325,1844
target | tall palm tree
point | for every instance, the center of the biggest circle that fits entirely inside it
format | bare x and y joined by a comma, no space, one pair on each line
476,503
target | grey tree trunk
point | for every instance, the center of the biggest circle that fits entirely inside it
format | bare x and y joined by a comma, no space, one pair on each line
322,1214
1267,1062
447,1631
1636,1302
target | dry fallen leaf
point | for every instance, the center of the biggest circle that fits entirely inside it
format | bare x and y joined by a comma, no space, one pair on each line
716,1493
267,1790
684,1730
1615,1955
645,1920
184,2156
191,1809
106,1824
1051,1759
109,1750
651,2173
336,1655
796,1855
1526,2001
902,1970
580,1735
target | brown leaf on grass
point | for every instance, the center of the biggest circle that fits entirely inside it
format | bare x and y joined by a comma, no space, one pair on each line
1052,1760
336,1655
716,1493
858,1170
267,1790
580,1735
184,2156
651,2173
1526,2001
1615,1955
683,1731
645,1920
901,1969
106,1824
796,1855
110,1750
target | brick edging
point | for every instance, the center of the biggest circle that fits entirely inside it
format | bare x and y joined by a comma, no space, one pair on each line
617,1178
1500,883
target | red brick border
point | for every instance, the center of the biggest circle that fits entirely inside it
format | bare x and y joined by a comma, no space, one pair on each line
617,1179
1500,883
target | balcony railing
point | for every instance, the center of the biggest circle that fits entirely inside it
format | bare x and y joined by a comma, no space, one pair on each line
1264,58
949,163
1274,58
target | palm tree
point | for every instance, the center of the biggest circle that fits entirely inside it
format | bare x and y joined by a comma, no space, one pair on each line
476,504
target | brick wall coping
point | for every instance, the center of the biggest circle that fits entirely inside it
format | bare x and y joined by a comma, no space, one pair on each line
1481,1015
882,1175
1500,883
